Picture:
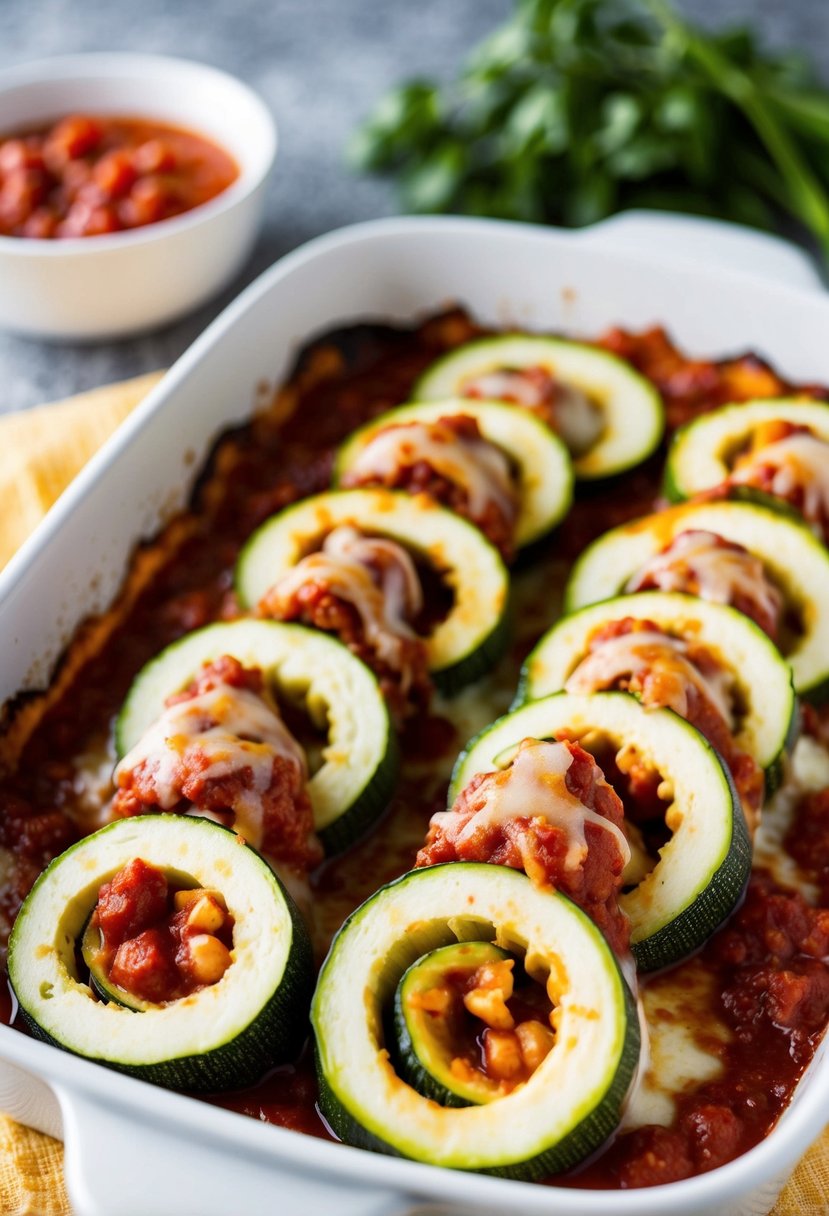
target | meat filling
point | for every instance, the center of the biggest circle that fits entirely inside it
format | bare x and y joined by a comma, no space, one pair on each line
221,750
791,463
451,462
551,814
705,564
367,591
637,656
156,943
564,407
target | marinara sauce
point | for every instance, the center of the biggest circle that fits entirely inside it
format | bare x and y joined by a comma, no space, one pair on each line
88,176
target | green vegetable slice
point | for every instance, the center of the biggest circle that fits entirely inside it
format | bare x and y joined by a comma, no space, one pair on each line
795,560
703,451
570,1104
422,1050
223,1036
631,413
358,768
472,635
544,474
767,719
702,869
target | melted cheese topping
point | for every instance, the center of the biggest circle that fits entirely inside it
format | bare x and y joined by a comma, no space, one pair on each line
800,463
578,420
377,577
637,654
534,787
229,729
721,573
476,465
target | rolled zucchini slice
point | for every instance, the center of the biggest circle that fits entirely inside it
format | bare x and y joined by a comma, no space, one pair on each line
573,1100
702,453
764,697
702,869
543,471
472,635
223,1036
793,557
358,767
632,415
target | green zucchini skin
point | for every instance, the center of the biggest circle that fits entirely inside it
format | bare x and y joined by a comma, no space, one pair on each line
601,1112
410,1058
667,934
470,639
697,455
759,670
274,1032
796,559
545,481
626,397
347,797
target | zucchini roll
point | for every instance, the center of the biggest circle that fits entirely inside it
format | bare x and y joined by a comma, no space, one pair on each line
609,417
778,448
164,947
501,467
466,1018
759,561
685,847
709,663
411,587
201,732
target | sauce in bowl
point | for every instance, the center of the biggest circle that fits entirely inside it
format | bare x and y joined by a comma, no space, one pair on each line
90,176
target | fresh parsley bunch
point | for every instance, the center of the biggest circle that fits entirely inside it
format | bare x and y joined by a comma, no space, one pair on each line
578,108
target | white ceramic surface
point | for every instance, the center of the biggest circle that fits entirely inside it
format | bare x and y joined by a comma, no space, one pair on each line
164,1153
106,286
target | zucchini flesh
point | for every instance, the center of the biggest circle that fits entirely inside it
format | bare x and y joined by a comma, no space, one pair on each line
471,636
632,412
703,868
573,1100
223,1036
795,560
354,782
762,677
702,452
544,473
423,1040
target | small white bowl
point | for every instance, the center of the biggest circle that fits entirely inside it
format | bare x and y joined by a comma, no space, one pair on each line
99,287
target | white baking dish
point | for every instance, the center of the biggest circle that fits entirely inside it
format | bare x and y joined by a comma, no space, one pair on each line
134,1149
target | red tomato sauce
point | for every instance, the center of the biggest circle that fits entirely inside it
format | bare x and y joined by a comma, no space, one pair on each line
89,176
771,983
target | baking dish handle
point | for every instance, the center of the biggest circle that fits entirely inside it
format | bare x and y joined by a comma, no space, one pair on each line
693,238
111,1164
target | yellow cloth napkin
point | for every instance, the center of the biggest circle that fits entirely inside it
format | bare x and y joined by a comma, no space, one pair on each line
40,452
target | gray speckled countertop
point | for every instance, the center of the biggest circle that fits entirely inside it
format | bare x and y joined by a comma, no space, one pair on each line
319,64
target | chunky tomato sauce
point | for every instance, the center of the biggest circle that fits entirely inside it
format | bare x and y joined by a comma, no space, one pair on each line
770,985
88,176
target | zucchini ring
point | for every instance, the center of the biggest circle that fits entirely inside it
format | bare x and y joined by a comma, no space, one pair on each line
570,1104
704,866
222,1036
